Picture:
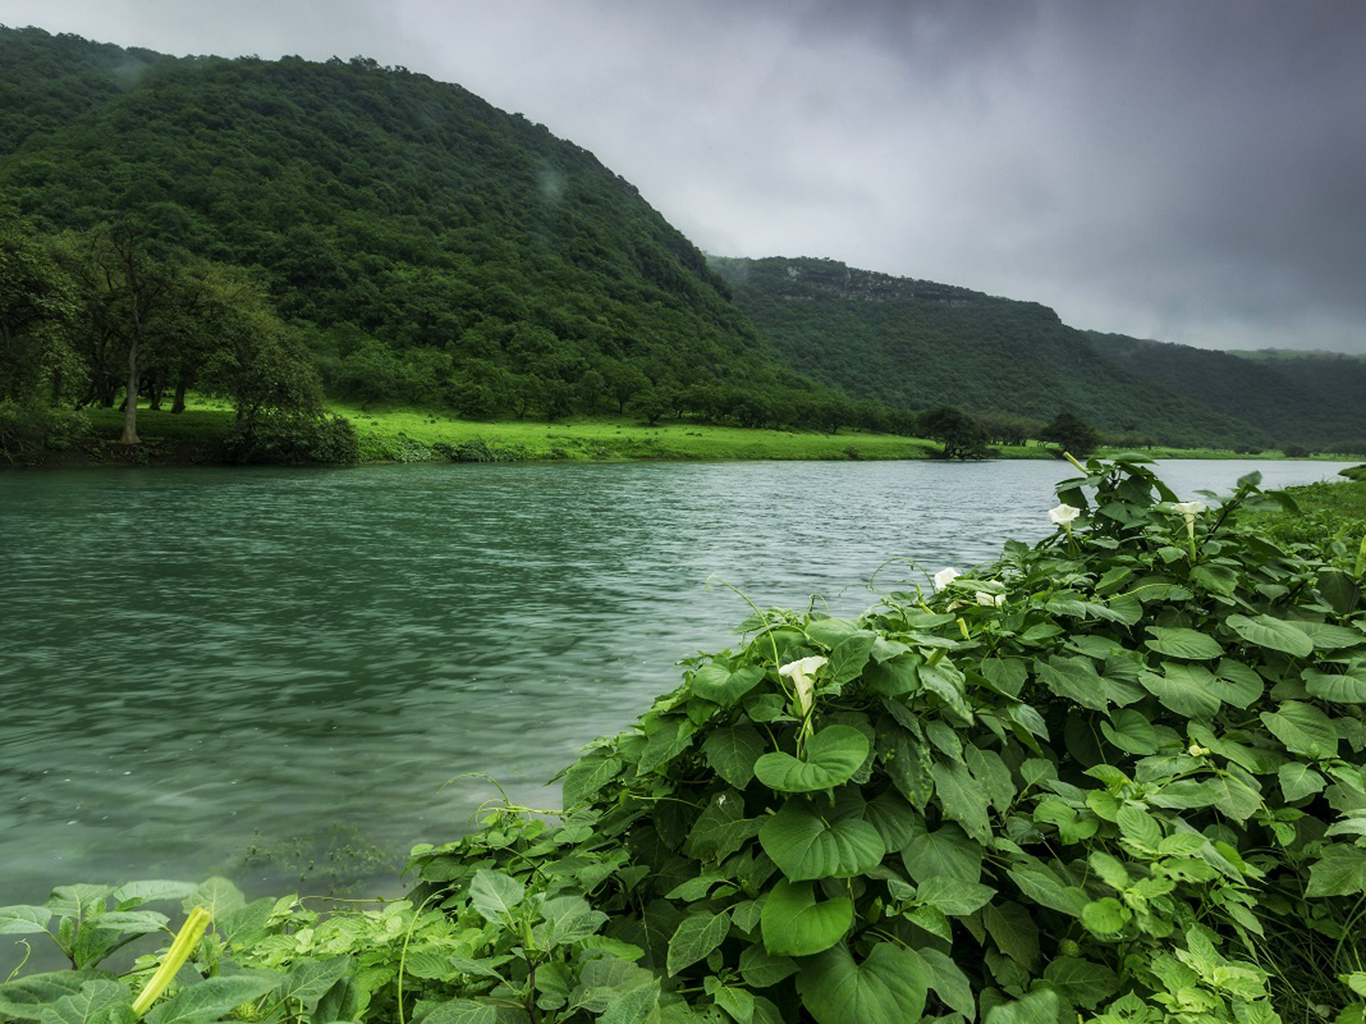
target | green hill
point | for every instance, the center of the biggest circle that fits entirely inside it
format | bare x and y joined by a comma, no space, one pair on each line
1308,398
433,248
922,344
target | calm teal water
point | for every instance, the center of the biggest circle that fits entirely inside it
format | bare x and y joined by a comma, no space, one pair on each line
248,672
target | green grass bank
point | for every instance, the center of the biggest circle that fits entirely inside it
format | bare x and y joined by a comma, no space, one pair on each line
407,435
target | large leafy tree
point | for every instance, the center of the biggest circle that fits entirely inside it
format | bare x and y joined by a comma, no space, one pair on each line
37,305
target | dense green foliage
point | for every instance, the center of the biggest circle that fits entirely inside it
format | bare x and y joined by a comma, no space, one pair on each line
431,249
1113,777
1313,399
920,344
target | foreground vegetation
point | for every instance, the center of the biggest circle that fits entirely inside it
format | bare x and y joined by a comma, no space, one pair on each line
1114,777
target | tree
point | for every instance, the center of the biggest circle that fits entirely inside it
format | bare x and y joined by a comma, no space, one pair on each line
960,434
37,304
1072,433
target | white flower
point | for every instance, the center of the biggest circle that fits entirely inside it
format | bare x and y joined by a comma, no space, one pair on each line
801,673
1189,509
944,577
1063,514
990,600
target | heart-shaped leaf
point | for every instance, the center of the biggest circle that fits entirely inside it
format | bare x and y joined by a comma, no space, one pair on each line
889,987
795,923
833,755
806,844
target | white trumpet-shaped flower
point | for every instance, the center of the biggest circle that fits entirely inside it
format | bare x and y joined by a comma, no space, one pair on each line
801,673
945,576
1063,515
1189,509
990,600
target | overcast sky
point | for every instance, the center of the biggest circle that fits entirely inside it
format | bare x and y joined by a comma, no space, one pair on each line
1187,170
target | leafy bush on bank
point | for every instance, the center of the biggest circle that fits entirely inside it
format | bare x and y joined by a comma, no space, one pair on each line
1114,777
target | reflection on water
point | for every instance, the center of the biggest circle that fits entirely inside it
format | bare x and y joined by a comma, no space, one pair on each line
231,670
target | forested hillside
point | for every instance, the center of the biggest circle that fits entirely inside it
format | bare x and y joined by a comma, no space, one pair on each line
918,343
1317,399
428,247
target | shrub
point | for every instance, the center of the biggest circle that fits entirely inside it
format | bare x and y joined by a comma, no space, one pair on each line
29,428
281,438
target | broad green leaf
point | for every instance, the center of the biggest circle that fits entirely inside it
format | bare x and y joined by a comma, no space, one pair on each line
1186,689
795,923
25,998
948,982
1347,688
1012,928
1040,884
1005,675
896,821
946,852
987,768
216,895
474,1011
1076,679
695,937
761,969
1341,871
1039,1007
586,776
130,894
632,1007
309,980
909,764
850,655
1299,781
1218,578
833,755
98,1001
717,683
21,919
807,844
1237,684
1304,730
1105,917
948,684
1273,634
1083,982
963,799
494,895
736,1001
669,738
1190,644
566,919
721,829
954,897
731,753
829,633
1327,637
889,987
1130,731
210,999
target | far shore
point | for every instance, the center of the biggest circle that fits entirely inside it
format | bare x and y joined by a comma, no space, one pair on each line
406,436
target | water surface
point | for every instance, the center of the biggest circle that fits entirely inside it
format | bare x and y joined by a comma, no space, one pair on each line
272,673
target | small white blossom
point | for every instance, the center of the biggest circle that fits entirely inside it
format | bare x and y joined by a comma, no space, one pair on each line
801,673
944,577
990,600
1064,514
1189,509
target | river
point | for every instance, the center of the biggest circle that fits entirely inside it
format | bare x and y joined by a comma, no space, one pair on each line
273,674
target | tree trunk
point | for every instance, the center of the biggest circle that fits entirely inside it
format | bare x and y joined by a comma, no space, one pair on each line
130,409
178,405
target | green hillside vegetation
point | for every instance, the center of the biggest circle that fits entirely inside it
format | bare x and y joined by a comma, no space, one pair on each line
1309,398
921,344
424,246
